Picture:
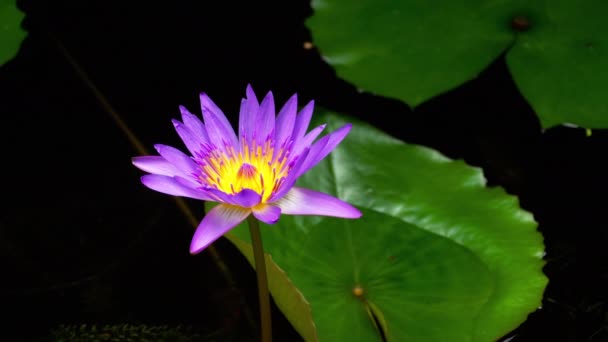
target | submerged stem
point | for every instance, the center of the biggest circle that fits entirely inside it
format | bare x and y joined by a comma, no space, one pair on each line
260,270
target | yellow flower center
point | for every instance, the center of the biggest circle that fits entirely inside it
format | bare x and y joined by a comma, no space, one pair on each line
254,167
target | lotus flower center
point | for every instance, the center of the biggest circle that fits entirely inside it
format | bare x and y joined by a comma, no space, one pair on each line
247,176
253,167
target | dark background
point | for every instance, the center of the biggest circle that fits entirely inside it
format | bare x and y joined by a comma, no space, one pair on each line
83,242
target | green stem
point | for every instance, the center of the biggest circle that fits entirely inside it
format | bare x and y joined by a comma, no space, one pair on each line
260,270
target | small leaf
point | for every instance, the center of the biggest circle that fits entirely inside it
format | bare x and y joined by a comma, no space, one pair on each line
11,34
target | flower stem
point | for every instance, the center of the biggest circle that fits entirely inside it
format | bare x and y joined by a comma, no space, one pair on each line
260,270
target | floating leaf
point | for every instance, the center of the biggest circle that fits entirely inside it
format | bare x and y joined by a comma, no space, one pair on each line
561,63
414,50
11,34
436,254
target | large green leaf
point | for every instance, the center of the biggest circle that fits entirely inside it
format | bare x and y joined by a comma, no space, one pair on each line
415,49
437,254
11,34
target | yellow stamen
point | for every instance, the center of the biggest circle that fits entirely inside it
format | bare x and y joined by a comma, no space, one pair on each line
253,167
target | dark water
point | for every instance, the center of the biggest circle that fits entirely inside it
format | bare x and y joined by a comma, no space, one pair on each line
81,241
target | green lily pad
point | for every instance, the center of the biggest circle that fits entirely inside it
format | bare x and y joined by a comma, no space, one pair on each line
436,254
414,50
416,280
11,34
561,64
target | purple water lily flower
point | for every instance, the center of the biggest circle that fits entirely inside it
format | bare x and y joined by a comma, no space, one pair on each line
252,173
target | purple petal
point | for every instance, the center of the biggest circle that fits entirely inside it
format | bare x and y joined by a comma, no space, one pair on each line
221,196
302,121
265,120
170,186
179,159
291,178
216,223
156,165
285,121
323,147
307,140
314,151
191,182
194,125
300,201
267,213
248,115
219,130
250,93
192,142
245,113
247,198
